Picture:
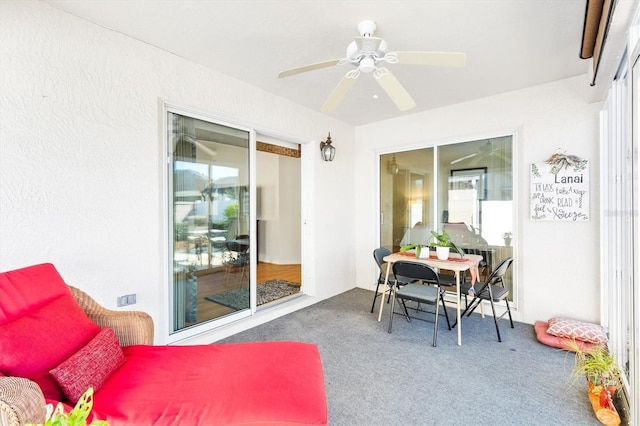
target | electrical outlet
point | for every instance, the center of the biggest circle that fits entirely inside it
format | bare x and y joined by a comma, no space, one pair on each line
128,299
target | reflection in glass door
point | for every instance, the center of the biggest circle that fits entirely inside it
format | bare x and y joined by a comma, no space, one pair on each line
406,203
209,220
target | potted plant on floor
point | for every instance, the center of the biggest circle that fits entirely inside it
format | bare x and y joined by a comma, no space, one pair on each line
601,371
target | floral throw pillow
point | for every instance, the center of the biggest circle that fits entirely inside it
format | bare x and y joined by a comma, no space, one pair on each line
91,366
575,329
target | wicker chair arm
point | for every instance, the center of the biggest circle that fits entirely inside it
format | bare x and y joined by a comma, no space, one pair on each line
131,327
21,402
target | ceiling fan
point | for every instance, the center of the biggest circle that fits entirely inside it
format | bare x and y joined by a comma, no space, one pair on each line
367,53
484,153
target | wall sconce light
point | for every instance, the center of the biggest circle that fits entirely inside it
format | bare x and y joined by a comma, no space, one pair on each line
327,150
392,166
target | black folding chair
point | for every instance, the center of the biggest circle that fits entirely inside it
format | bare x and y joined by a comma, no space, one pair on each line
428,292
492,290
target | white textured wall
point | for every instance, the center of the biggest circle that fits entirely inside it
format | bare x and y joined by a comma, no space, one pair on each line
81,162
557,263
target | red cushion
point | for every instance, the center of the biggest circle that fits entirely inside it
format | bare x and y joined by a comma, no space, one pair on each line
41,326
91,366
555,341
24,290
220,384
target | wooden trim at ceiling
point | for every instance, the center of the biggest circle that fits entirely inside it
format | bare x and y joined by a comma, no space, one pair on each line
594,33
592,15
277,149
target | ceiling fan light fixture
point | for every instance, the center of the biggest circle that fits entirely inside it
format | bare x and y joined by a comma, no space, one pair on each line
367,64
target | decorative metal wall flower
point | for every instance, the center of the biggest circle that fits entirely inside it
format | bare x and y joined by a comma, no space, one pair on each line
565,160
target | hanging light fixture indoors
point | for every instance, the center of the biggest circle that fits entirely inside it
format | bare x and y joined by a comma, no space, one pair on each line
327,150
392,166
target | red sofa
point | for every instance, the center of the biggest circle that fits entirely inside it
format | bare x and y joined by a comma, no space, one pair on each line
57,337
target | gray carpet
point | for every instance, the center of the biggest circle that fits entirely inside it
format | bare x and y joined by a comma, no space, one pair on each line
266,292
376,378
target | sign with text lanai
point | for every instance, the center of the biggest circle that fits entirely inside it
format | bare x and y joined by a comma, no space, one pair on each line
560,193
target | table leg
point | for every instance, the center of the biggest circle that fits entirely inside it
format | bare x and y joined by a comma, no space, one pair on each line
384,290
458,308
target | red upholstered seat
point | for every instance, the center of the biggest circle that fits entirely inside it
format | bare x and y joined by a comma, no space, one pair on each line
220,384
42,328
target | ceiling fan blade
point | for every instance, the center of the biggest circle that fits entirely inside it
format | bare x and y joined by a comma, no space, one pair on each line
396,92
307,68
443,59
466,157
338,94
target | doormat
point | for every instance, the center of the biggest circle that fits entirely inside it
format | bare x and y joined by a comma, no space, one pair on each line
267,291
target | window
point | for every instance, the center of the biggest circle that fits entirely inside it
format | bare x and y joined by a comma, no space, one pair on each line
619,221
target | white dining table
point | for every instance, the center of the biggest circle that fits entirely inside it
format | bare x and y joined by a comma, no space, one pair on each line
454,263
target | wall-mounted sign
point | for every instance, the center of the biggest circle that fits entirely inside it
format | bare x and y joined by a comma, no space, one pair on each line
560,190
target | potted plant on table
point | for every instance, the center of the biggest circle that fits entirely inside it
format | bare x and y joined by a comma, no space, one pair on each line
419,250
603,376
443,244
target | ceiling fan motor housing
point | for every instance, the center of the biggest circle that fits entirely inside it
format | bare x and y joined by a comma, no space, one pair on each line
366,28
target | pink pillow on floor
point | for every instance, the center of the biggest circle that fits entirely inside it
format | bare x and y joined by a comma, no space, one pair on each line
91,366
575,329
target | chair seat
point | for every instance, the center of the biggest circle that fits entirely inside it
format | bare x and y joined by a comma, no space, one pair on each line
498,292
419,293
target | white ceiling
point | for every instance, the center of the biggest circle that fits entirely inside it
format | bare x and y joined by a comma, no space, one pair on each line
510,44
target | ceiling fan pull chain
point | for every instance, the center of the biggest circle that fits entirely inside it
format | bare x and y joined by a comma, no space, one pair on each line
353,74
380,72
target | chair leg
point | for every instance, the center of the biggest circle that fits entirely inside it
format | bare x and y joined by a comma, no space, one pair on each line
406,311
509,311
435,325
472,307
495,319
393,302
446,315
375,296
466,309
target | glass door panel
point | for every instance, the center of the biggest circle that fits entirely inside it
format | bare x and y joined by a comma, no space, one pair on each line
476,198
469,194
406,204
209,220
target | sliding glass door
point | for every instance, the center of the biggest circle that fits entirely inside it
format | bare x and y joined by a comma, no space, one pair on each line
464,188
209,220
